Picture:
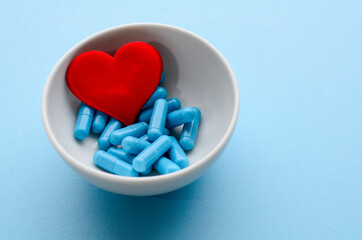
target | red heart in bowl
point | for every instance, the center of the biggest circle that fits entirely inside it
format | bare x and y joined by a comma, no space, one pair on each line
118,86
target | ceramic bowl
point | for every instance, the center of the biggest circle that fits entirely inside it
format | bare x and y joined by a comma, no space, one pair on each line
196,73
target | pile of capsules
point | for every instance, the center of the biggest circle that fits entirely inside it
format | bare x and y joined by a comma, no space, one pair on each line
140,147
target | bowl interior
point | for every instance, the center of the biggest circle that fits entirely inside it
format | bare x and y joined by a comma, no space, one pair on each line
195,73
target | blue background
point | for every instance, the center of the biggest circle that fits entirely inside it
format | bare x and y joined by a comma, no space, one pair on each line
293,169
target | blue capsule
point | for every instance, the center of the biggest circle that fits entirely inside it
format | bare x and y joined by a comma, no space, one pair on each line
135,130
189,131
113,164
134,145
125,156
84,121
162,77
166,131
145,137
147,171
145,115
180,117
158,119
103,141
177,154
166,166
151,154
160,92
99,122
122,154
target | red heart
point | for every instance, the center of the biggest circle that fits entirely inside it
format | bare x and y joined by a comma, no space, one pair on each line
118,86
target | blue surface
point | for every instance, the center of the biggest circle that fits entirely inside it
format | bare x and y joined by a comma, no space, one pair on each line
293,169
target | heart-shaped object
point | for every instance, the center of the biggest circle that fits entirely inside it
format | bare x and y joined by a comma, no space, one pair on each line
118,86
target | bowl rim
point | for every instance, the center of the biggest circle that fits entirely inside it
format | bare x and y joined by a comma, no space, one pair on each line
149,179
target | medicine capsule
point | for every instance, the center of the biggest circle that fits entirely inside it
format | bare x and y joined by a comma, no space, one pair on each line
147,171
160,92
189,131
103,141
145,115
134,145
166,166
125,156
84,121
158,119
177,154
145,137
152,153
180,117
113,164
166,131
122,154
135,130
99,122
162,77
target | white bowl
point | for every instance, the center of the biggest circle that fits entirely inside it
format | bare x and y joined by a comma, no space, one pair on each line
196,73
